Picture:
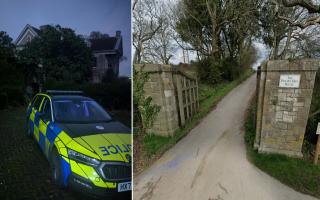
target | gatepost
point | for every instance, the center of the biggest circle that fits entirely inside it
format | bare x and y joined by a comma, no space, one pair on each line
284,98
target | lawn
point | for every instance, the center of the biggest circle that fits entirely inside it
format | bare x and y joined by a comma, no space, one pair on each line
300,174
151,147
22,162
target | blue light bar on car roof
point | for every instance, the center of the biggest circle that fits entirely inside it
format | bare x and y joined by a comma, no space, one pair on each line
64,92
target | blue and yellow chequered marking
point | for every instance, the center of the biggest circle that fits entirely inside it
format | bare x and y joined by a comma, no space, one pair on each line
46,134
66,169
42,127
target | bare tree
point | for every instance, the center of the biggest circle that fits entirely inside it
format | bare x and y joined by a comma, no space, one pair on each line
276,33
293,29
162,47
146,23
311,8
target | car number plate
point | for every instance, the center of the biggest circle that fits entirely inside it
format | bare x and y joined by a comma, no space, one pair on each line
126,186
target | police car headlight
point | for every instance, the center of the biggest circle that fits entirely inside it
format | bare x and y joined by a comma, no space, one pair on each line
82,158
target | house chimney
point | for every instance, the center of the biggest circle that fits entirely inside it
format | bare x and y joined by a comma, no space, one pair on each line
118,34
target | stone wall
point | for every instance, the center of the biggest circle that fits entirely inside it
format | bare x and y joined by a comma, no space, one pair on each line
282,111
164,87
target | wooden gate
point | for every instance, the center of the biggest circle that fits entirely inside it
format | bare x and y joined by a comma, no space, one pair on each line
187,95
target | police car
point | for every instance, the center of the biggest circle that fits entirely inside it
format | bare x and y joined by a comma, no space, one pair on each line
87,150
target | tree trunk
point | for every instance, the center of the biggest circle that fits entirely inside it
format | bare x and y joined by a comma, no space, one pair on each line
275,48
284,52
137,55
215,50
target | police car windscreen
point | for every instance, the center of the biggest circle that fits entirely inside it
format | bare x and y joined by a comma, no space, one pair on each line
79,111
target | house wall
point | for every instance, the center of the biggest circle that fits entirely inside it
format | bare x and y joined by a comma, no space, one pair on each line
103,62
113,60
100,68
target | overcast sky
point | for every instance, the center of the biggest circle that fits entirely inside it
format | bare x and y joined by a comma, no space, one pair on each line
83,16
263,53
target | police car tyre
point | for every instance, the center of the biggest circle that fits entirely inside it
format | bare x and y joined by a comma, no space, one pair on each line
57,175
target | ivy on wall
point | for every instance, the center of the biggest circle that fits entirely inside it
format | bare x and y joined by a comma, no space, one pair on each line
145,111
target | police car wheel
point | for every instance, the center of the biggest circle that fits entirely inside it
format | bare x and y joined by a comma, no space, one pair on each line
56,169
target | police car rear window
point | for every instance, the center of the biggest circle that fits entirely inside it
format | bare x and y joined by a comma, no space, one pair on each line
46,108
37,102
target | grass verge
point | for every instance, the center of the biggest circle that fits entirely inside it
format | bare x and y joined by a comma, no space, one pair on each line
152,146
299,174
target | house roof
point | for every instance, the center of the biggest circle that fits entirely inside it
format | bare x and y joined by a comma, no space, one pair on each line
35,29
111,45
103,44
30,28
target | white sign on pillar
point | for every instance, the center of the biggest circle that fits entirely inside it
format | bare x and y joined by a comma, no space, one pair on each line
289,81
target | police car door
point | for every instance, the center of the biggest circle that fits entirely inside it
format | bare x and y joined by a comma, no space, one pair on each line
45,119
34,116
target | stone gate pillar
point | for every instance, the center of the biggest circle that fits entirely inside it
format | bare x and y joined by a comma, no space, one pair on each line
160,87
284,98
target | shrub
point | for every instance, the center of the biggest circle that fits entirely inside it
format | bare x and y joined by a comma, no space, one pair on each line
212,72
209,71
313,121
230,69
114,95
11,95
3,100
250,125
311,129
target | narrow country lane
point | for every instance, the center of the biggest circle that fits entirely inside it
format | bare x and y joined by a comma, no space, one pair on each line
210,162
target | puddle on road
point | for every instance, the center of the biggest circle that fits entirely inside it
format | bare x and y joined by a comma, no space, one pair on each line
171,164
174,162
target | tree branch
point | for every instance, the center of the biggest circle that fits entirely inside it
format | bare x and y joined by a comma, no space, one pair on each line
134,3
312,8
314,113
309,22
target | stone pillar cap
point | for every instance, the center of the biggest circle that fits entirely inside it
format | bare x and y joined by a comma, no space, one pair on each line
291,65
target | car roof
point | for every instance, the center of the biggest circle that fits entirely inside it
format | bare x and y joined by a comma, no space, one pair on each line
71,97
65,96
